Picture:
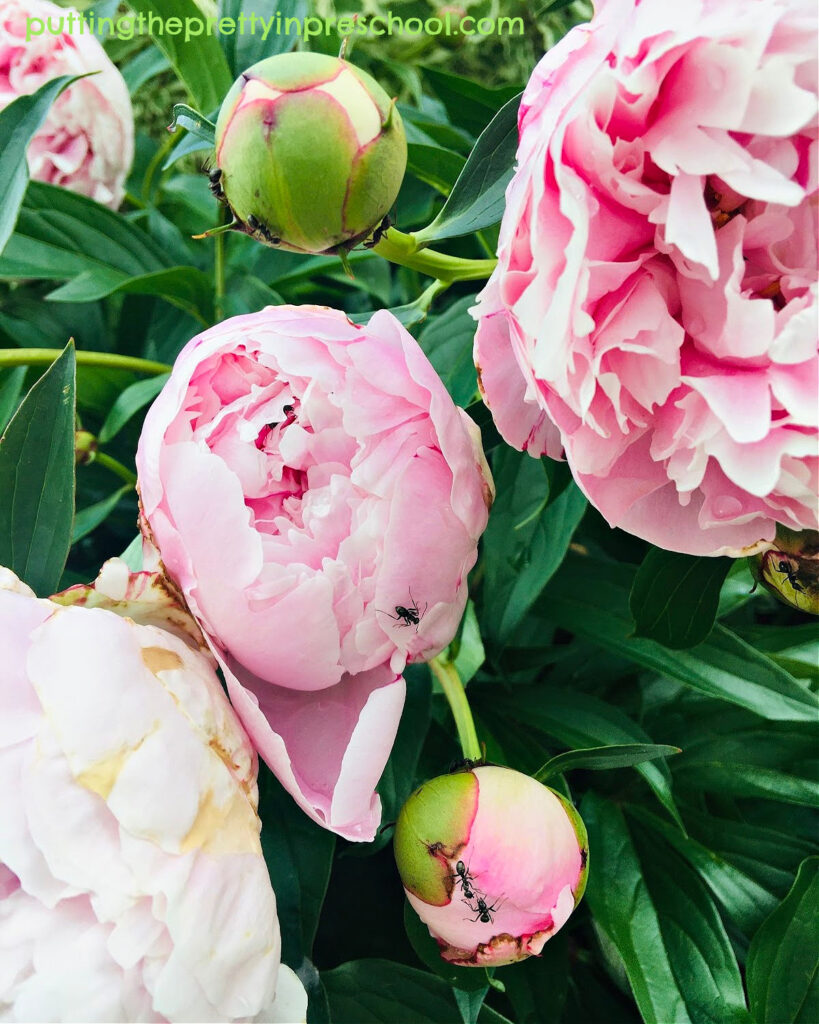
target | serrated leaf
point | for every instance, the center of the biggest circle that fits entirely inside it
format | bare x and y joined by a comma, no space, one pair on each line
37,479
622,755
674,598
198,60
782,968
478,196
19,121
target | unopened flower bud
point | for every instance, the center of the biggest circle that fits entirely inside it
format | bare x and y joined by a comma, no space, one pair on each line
789,569
85,447
310,152
492,861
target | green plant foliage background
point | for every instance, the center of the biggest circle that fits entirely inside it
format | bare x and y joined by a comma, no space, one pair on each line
577,637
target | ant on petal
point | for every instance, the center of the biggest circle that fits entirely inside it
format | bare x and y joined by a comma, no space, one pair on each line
483,912
410,616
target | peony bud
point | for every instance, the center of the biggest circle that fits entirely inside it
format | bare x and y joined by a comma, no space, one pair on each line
492,861
789,569
310,152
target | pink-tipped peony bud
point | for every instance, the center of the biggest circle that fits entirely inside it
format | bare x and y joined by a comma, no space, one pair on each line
789,569
310,152
493,863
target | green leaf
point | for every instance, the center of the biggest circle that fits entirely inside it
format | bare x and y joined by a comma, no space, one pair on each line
743,898
245,48
194,123
468,104
11,387
619,899
783,983
88,519
478,196
590,598
529,532
37,479
447,342
18,123
543,981
434,166
622,755
580,720
129,402
186,287
299,855
198,60
382,992
470,1003
398,778
147,64
468,979
674,597
701,957
60,235
466,650
657,914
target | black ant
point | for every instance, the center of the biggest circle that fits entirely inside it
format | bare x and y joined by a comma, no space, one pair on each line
463,875
258,228
382,228
789,573
215,184
408,616
483,912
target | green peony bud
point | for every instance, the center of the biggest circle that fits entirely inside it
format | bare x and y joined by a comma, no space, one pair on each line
310,152
789,569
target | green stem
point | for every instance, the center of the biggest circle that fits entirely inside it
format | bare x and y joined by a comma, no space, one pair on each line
403,249
156,165
447,675
116,467
104,360
219,269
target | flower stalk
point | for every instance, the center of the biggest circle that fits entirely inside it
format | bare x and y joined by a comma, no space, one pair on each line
401,248
447,675
102,360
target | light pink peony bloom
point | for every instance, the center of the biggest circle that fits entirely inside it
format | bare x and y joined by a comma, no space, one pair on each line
492,862
86,143
132,883
654,311
318,498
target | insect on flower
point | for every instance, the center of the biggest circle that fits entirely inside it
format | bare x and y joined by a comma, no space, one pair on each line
410,616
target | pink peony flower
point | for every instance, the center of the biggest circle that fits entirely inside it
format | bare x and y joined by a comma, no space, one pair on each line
318,498
654,311
132,883
86,143
492,862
